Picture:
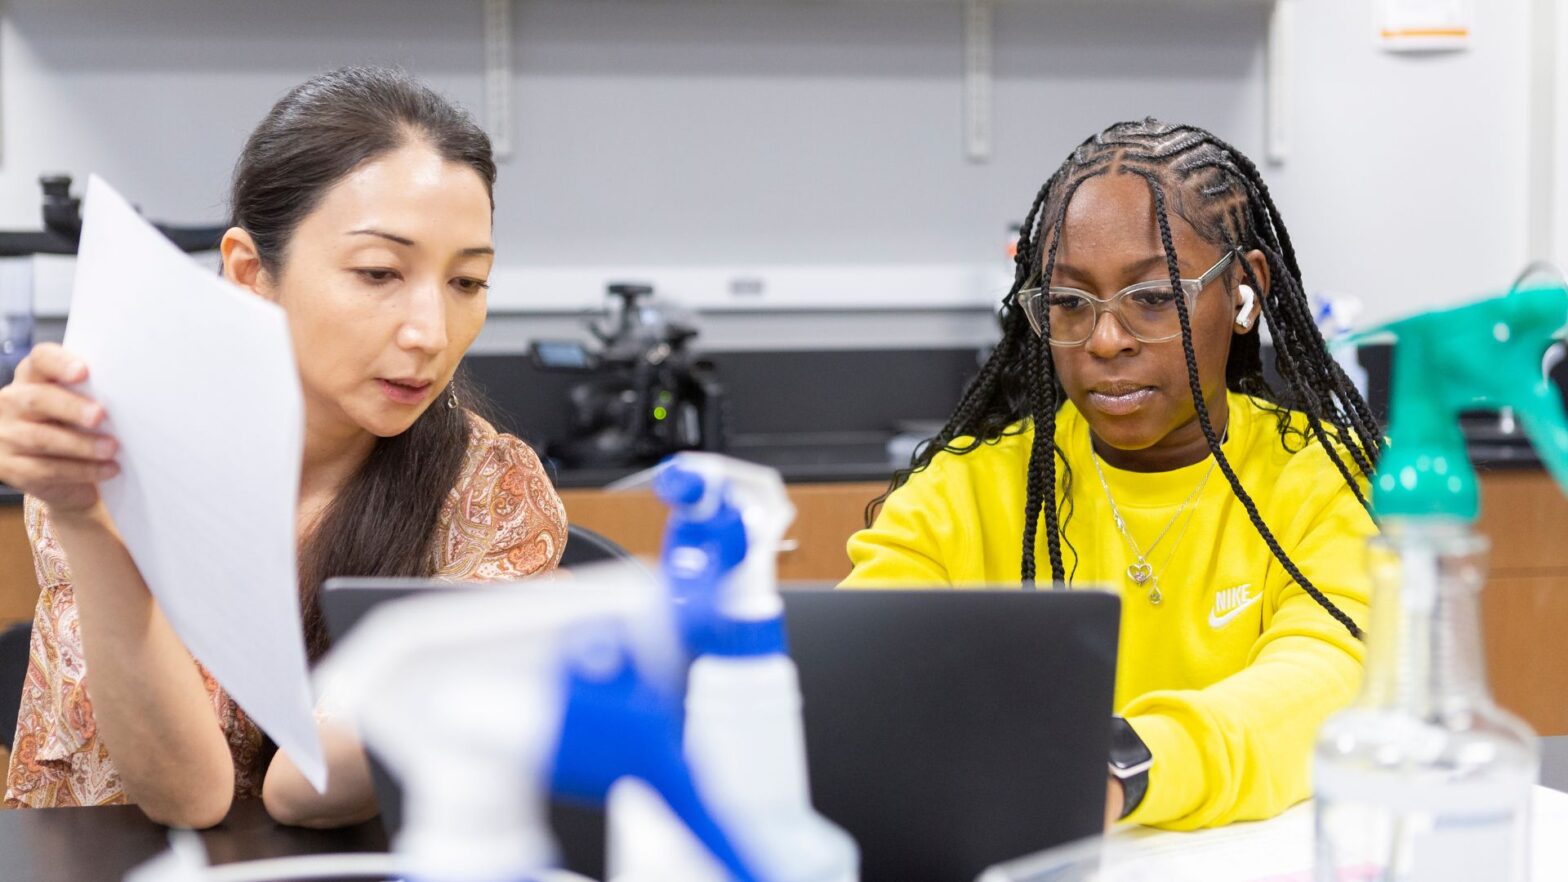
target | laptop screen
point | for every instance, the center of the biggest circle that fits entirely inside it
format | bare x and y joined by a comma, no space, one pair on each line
945,730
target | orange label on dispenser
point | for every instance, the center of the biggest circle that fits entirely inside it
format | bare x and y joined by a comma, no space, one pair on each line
1424,25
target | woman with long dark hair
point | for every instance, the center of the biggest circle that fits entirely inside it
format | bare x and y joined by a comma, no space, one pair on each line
1122,434
362,206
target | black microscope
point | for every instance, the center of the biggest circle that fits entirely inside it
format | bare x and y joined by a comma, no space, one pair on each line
61,233
649,396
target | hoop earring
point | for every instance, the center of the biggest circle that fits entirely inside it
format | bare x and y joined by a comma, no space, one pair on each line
451,398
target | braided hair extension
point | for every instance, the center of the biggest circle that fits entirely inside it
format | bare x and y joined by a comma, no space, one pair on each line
1281,256
998,401
1162,217
991,389
1317,383
1222,195
1045,397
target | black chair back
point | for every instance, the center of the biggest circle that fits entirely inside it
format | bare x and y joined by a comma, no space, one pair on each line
584,546
14,642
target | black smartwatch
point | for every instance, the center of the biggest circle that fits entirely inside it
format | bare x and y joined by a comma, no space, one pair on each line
1130,764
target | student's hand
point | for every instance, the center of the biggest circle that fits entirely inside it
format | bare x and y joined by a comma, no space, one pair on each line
49,446
1114,799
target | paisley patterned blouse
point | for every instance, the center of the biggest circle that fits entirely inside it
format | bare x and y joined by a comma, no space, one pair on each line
502,520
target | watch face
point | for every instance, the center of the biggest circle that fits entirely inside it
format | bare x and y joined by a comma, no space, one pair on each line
1127,749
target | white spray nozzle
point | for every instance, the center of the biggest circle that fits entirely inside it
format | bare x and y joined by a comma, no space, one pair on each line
635,481
750,593
757,490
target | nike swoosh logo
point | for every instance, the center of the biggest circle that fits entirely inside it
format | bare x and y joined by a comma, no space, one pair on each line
1217,622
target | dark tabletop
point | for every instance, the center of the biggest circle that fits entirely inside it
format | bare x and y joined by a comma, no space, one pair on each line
93,844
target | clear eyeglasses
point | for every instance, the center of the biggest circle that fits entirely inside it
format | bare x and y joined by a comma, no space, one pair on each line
1147,310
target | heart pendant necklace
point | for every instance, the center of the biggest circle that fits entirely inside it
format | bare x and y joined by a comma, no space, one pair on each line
1139,571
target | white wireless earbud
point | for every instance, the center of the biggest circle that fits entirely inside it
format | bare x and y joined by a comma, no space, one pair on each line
1244,314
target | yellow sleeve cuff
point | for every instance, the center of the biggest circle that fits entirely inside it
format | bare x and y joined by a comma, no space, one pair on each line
1176,778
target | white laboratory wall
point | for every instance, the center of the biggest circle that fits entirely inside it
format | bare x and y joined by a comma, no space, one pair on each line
1407,181
158,95
700,135
1554,130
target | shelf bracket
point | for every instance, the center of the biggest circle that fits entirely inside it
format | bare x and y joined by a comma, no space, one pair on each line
498,76
978,32
1276,81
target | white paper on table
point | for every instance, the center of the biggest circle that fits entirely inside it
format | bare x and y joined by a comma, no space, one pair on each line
1280,850
199,384
1276,850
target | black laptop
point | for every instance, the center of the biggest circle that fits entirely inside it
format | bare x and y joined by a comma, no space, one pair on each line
945,730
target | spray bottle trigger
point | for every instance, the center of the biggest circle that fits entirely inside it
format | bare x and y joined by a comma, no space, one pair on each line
1541,314
618,724
1541,414
677,486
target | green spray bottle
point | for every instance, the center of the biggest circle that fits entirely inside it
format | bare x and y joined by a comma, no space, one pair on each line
1425,778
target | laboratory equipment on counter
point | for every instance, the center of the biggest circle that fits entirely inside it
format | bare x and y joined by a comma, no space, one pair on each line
646,394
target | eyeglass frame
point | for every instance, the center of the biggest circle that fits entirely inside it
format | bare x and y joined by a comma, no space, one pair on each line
1190,288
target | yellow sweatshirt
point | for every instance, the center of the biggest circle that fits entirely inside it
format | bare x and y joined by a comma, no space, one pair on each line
1229,676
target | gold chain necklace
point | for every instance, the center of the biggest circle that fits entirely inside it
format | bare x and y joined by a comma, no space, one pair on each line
1139,571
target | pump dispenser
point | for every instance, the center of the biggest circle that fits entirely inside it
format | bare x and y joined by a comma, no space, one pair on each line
1425,779
744,738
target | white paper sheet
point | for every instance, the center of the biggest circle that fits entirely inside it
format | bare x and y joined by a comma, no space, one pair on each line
1276,850
1280,850
199,384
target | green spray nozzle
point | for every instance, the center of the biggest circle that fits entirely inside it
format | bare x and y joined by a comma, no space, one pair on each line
1482,355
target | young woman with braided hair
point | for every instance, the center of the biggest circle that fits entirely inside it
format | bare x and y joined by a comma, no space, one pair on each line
1129,374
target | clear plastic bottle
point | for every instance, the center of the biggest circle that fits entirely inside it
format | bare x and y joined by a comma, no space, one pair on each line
1425,779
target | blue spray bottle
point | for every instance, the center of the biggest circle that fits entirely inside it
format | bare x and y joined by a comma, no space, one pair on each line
744,738
487,702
